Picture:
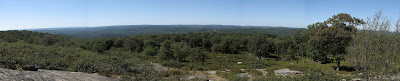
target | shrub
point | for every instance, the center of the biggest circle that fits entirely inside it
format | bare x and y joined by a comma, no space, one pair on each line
172,63
238,79
174,72
195,66
257,64
150,51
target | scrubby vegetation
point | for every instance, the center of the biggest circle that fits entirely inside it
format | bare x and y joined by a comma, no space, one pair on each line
328,51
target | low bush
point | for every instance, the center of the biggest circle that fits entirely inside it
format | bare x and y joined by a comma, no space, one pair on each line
257,64
172,63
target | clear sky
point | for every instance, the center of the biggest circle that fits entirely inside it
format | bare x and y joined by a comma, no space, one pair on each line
28,14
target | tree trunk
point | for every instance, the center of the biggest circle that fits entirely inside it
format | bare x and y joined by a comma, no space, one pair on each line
338,65
297,57
302,57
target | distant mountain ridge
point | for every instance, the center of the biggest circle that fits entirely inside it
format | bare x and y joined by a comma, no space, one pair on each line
132,30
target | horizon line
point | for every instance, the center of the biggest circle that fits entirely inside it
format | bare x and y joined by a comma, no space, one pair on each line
147,24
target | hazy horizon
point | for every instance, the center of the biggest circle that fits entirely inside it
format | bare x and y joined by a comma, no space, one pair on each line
24,14
147,24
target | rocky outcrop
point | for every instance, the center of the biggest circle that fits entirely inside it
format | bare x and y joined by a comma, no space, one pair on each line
248,75
197,77
284,72
212,72
159,67
262,71
49,75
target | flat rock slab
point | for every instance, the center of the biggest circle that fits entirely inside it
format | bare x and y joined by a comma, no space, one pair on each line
197,77
49,75
159,67
284,72
244,75
212,72
262,71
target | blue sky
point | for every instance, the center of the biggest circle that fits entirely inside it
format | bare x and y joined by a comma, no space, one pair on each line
28,14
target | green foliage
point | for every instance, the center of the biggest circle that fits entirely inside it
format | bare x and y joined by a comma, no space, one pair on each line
133,44
14,55
218,61
172,63
165,52
374,51
195,66
31,37
231,45
180,50
331,37
257,64
197,55
282,47
151,51
27,54
260,46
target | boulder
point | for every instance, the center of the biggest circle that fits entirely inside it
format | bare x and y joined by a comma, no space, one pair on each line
30,68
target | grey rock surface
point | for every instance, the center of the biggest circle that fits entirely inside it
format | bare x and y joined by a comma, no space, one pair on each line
262,71
284,72
244,75
159,67
395,77
197,77
49,75
212,72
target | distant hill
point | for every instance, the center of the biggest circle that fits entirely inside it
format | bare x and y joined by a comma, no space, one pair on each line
31,37
132,30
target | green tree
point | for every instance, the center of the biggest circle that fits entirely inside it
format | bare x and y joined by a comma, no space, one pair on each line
134,44
165,52
49,40
98,46
108,44
374,51
194,40
150,51
197,55
181,50
299,44
332,36
260,46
